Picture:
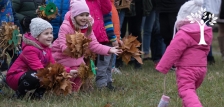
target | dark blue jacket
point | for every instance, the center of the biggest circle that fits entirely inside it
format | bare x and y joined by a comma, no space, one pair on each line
63,7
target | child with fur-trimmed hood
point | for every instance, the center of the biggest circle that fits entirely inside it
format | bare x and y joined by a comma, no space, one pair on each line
35,55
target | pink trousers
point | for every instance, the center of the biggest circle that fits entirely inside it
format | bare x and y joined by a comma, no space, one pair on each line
188,80
77,83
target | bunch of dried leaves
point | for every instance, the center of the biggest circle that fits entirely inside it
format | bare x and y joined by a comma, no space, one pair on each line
9,37
89,55
130,49
55,78
77,45
86,74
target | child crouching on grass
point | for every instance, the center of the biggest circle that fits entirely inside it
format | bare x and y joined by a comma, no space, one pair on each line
35,55
77,19
189,57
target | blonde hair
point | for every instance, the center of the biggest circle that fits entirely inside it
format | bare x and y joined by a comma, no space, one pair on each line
78,27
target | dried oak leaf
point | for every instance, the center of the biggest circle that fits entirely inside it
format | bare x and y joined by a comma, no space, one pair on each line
130,49
9,39
89,54
87,85
85,73
77,44
54,78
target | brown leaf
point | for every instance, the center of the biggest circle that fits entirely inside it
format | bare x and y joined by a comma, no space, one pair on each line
108,105
76,45
87,85
136,43
126,57
6,34
63,84
54,77
139,59
85,73
133,49
130,49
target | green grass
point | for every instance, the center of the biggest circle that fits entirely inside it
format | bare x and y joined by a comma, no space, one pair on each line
142,88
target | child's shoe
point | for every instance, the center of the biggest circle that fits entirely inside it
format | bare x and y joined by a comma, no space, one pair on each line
38,94
110,86
116,70
18,95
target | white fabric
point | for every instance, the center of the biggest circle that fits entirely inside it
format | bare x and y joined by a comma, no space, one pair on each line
212,6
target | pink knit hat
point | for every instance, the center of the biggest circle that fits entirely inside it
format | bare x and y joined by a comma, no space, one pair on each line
77,7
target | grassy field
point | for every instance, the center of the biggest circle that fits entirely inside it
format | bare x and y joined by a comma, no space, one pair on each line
142,88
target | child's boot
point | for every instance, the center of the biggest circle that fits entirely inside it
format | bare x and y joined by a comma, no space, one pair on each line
38,94
18,95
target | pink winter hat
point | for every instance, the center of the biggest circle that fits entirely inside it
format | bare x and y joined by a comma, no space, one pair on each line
77,7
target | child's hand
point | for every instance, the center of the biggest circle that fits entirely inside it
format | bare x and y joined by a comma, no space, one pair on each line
120,42
115,51
115,43
74,73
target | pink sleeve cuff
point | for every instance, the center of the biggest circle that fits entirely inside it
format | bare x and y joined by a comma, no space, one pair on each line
160,69
67,69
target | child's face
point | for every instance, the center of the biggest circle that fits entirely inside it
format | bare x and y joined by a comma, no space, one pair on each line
46,37
82,19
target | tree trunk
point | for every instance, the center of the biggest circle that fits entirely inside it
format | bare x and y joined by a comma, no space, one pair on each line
202,37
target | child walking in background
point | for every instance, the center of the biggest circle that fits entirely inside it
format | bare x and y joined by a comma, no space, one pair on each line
75,20
189,58
35,55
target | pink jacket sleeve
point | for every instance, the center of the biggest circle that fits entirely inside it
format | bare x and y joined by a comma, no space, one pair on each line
51,57
96,47
31,58
105,6
173,52
62,37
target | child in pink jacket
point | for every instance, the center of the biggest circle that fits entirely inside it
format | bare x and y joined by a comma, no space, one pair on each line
187,55
35,55
77,19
